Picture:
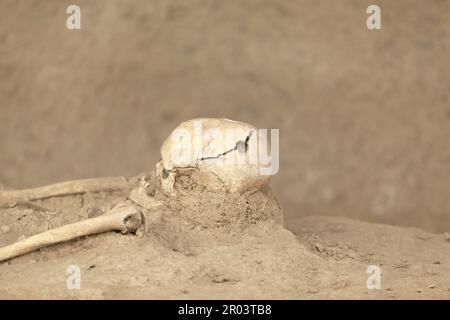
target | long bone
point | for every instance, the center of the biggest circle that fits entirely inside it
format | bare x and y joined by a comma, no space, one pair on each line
11,198
124,218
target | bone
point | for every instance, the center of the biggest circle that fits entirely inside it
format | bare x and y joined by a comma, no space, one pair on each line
213,161
139,197
124,218
12,198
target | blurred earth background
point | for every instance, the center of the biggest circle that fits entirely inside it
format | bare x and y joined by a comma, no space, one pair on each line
364,116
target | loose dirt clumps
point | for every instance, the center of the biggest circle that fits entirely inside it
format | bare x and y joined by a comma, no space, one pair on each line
193,215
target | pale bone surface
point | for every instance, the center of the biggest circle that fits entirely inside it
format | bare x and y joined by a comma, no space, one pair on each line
206,162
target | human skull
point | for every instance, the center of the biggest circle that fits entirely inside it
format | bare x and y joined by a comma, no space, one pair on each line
219,154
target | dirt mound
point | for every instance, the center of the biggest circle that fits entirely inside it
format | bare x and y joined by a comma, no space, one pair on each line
234,252
198,238
196,216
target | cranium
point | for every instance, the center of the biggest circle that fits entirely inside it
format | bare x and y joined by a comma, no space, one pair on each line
220,155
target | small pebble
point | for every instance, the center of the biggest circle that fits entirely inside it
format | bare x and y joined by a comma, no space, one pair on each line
5,229
432,286
436,262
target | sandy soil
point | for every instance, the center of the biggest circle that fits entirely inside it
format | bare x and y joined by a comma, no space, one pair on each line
364,116
365,134
315,257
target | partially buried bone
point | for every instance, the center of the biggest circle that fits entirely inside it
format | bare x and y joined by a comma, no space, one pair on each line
11,198
205,166
124,218
218,154
140,196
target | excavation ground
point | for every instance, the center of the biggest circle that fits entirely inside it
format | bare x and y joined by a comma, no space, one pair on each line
311,258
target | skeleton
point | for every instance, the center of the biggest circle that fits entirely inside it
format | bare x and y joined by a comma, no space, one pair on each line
130,215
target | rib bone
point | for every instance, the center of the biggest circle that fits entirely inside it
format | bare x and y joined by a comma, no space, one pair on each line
11,198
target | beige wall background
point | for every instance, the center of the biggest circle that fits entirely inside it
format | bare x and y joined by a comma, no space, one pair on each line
364,116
